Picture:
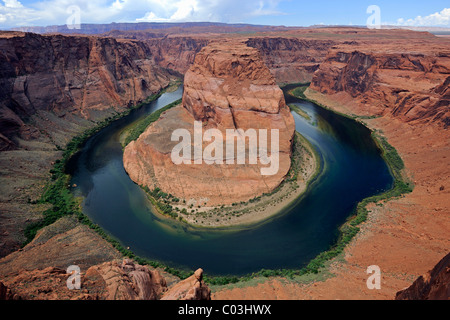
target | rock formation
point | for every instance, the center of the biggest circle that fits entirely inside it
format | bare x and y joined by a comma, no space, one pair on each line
113,280
176,53
192,288
7,294
292,60
125,281
69,76
435,285
411,86
228,87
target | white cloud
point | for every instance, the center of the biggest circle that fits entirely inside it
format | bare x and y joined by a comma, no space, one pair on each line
436,19
266,8
53,12
13,12
12,4
151,17
212,10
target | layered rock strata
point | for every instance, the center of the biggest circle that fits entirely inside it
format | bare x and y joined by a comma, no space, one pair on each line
228,87
411,86
69,76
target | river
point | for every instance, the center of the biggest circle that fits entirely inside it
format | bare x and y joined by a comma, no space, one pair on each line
353,169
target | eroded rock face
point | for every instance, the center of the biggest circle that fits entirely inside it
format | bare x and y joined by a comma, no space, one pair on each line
228,78
113,280
125,281
6,294
435,285
228,87
89,77
410,86
192,288
292,60
176,53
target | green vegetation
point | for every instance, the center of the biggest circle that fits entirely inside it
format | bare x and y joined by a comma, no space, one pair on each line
299,91
139,128
161,201
299,111
347,231
396,165
57,194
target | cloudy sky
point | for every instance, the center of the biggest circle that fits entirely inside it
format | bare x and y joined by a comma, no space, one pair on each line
14,13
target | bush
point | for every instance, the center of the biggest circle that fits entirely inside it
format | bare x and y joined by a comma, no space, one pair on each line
139,128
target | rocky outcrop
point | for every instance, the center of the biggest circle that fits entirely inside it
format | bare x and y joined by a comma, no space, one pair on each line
410,86
64,243
228,87
125,281
113,280
7,294
435,285
69,76
192,288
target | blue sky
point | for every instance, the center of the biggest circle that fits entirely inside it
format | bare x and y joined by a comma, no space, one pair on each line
15,13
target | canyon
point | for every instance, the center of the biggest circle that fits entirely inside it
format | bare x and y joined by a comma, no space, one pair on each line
50,78
396,82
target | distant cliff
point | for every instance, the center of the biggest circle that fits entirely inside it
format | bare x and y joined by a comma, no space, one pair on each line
291,59
176,53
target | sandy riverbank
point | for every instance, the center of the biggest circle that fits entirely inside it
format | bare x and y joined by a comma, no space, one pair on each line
305,167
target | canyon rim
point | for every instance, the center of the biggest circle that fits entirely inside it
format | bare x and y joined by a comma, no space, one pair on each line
56,86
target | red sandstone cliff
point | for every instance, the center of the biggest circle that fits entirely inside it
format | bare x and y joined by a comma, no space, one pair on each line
411,86
176,53
291,59
89,77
